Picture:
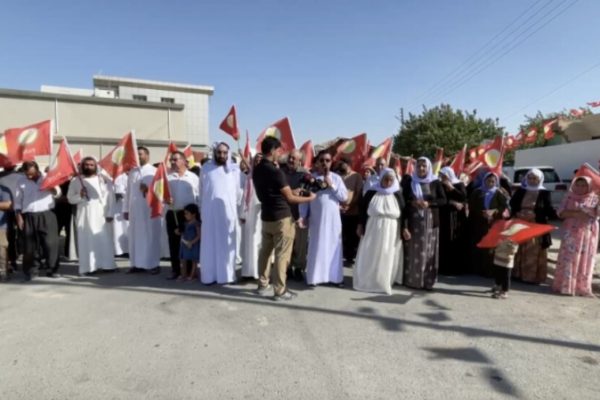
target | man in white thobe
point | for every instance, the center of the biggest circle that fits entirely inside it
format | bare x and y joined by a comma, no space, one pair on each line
324,263
144,232
249,212
120,224
220,195
94,197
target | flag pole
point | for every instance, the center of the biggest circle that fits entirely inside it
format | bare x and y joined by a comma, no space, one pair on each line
75,167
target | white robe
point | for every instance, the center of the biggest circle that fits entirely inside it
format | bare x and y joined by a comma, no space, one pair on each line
120,224
219,198
252,232
144,232
95,245
324,260
379,257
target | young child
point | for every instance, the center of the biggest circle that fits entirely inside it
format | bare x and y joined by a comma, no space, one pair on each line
504,260
190,242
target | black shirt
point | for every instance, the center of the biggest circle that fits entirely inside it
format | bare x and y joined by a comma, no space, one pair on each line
268,181
294,179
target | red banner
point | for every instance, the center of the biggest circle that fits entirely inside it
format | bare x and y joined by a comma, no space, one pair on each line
24,144
356,149
308,152
229,124
282,130
515,230
122,158
158,192
64,168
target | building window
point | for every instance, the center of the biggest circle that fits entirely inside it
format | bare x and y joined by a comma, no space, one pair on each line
140,97
167,100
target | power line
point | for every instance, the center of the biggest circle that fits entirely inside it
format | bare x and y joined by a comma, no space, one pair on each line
556,89
513,46
484,49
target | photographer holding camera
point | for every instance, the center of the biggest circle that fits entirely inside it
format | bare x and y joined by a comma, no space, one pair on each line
278,229
325,225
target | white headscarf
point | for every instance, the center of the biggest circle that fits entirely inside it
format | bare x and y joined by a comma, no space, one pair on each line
539,174
416,180
448,172
389,190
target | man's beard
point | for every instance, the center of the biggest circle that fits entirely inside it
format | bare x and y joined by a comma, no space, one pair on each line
220,161
89,172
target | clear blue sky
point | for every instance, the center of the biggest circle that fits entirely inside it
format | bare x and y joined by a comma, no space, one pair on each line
336,68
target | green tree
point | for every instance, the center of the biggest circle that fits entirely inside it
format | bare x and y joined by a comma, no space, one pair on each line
538,121
444,127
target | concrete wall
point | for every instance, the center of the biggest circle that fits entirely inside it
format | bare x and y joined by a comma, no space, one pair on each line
195,129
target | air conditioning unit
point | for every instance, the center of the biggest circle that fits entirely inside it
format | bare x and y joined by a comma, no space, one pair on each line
105,93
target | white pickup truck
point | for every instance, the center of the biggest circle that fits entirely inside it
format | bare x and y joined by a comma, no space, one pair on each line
552,181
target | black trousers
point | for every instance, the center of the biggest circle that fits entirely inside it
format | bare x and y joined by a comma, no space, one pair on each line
502,277
175,221
349,237
11,236
63,214
39,233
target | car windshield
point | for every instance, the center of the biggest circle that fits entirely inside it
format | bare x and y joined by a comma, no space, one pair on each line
550,175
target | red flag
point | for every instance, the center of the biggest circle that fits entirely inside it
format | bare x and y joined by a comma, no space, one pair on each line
510,142
515,230
282,131
410,166
472,169
494,155
172,148
577,112
308,151
122,158
24,144
519,139
158,193
531,136
589,171
396,165
189,155
383,150
63,169
438,160
356,149
77,157
548,131
229,124
247,151
594,104
473,153
458,164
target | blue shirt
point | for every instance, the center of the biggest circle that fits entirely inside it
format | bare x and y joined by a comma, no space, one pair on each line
4,196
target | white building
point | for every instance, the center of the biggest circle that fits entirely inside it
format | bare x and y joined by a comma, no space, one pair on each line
95,119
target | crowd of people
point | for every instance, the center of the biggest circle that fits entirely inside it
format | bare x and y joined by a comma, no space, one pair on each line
268,219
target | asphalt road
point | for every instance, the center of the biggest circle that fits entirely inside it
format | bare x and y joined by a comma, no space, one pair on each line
118,336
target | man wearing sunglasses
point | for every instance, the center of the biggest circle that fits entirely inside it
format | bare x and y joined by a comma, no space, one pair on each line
278,231
324,264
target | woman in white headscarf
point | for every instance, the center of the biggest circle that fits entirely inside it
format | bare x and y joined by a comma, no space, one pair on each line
423,195
452,224
532,203
379,258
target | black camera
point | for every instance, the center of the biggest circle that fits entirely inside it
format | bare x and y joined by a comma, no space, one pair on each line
309,184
